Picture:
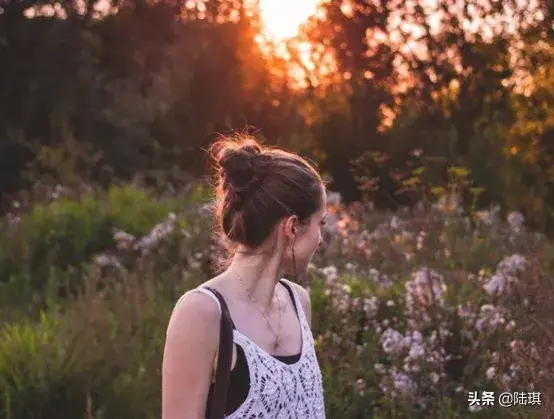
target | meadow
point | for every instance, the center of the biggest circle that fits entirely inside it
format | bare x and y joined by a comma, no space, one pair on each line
412,309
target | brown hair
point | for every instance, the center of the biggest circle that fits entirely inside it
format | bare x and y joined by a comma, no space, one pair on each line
257,186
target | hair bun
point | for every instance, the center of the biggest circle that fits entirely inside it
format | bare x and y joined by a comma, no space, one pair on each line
238,168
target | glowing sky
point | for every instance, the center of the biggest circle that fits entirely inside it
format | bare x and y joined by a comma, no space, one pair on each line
282,18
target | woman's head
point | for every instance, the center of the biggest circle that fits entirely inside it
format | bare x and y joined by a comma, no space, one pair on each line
259,188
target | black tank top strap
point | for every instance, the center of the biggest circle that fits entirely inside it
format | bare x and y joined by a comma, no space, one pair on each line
291,293
222,302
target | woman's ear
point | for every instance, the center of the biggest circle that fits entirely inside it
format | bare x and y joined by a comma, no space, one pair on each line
291,227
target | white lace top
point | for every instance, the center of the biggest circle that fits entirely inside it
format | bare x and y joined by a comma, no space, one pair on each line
279,390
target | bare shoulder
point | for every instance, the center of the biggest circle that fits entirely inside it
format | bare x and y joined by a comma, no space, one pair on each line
194,324
194,309
304,296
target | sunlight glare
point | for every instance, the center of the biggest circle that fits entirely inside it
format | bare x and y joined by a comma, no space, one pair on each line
282,18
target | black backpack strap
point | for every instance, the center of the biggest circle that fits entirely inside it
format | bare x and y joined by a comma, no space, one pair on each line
225,358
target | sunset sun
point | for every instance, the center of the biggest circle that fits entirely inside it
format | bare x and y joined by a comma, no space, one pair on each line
282,18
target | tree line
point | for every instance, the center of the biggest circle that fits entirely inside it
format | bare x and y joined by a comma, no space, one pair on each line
394,100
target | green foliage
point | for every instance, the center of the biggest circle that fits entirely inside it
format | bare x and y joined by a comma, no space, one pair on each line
100,370
47,252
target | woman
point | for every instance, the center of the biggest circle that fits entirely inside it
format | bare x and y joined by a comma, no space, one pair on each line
270,205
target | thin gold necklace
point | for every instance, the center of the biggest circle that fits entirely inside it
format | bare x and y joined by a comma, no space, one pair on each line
277,335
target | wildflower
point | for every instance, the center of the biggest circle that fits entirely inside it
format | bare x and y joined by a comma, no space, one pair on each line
511,374
103,260
424,289
420,240
506,274
393,341
496,285
159,233
374,275
416,351
361,386
465,312
402,382
491,216
491,371
515,221
516,344
333,198
395,223
13,219
330,273
379,368
123,240
489,317
370,306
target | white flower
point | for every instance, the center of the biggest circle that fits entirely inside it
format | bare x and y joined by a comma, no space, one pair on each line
379,368
333,198
491,216
105,261
395,222
515,220
330,272
491,373
424,289
347,288
416,351
506,274
496,285
489,317
374,275
123,240
370,306
160,232
420,240
402,382
393,341
474,408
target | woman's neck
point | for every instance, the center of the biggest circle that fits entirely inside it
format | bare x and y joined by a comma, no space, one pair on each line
257,275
